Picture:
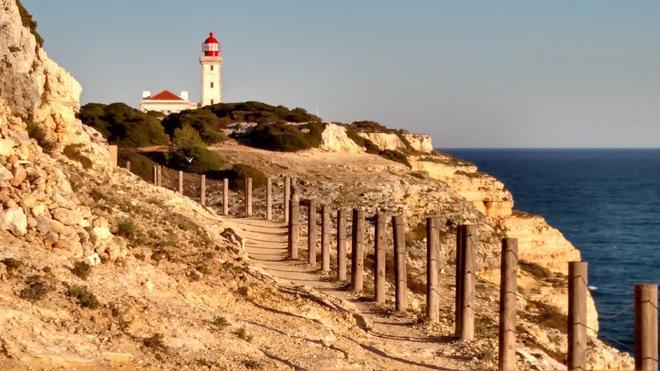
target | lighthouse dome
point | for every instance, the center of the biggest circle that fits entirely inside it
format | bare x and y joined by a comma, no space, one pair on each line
211,46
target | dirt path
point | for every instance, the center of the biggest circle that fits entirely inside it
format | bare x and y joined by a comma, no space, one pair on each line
398,338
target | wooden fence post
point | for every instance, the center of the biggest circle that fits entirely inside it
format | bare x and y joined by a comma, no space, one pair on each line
128,166
248,197
400,275
155,175
468,281
180,181
432,252
508,288
202,189
112,149
357,251
287,197
577,315
225,196
294,225
325,236
646,327
380,243
311,232
269,198
341,244
458,291
159,172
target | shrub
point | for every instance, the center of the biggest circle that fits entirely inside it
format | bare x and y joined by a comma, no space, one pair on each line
154,341
237,175
27,21
361,141
124,125
81,269
285,137
260,113
39,134
12,264
220,322
195,159
370,126
126,228
36,289
243,334
186,137
83,296
202,121
395,156
141,165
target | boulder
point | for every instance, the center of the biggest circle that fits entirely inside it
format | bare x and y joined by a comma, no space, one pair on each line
14,220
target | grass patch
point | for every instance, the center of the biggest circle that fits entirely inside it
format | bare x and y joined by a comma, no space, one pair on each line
81,269
220,322
83,296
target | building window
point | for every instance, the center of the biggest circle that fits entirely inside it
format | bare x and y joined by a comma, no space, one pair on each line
211,85
211,101
211,67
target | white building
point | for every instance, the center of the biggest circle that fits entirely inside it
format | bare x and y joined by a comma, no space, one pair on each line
166,102
211,90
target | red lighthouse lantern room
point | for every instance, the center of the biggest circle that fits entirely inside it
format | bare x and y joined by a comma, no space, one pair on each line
211,46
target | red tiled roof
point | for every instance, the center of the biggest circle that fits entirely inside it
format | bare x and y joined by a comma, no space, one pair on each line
164,95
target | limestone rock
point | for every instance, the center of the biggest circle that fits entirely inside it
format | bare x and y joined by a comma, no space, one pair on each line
384,141
334,139
419,142
67,216
14,220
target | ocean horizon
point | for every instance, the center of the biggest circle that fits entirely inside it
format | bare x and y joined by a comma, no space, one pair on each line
606,202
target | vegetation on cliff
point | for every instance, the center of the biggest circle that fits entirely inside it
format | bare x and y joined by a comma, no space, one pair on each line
260,113
124,125
208,125
286,137
29,22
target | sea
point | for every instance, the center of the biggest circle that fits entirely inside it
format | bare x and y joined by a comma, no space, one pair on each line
606,202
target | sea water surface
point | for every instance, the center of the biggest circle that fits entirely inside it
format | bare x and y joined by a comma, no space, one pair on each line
605,201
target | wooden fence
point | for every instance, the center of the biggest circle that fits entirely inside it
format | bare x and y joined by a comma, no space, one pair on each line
645,295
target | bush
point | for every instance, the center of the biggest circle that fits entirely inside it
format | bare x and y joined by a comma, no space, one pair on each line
124,125
81,269
285,137
203,121
187,137
395,156
141,165
83,296
154,341
237,175
220,322
260,113
36,289
195,159
127,229
39,134
27,21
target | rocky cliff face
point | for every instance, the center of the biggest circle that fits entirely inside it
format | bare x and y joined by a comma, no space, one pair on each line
62,203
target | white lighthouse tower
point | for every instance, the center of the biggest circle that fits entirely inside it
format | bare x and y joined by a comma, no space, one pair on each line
211,62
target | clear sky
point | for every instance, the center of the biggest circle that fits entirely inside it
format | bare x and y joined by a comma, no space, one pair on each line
470,73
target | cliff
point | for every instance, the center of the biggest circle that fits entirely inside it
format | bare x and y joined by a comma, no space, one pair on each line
100,269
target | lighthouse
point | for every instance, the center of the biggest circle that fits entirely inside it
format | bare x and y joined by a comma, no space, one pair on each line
211,61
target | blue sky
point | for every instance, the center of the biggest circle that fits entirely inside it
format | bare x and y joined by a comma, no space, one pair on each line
470,73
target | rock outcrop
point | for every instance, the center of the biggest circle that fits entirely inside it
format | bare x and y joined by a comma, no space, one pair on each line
335,140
